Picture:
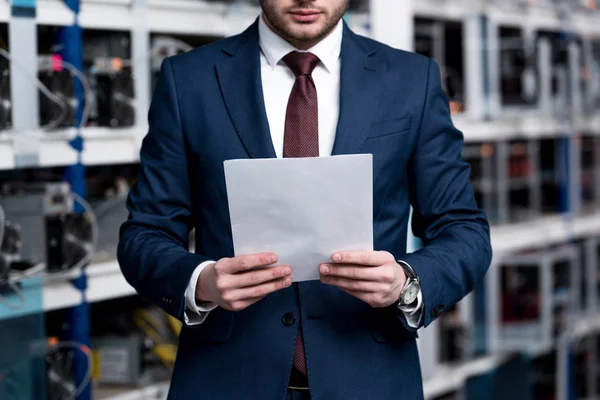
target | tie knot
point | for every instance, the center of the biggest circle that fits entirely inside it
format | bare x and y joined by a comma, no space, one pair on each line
301,63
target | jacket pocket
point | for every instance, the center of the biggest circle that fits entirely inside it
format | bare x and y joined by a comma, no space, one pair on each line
386,327
394,126
215,329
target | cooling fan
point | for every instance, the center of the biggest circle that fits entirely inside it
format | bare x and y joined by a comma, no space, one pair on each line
10,250
60,83
71,237
121,104
59,371
61,357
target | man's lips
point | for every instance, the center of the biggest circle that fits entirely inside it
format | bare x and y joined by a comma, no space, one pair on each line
305,15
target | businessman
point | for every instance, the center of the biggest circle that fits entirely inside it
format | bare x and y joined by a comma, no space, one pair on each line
299,83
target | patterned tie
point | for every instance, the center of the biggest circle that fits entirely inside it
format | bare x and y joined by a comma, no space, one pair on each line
301,137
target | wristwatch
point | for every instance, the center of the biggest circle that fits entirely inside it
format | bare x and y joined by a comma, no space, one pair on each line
412,287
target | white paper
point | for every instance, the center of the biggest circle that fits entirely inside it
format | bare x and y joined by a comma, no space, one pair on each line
302,209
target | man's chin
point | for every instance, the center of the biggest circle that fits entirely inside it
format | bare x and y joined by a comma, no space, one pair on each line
305,32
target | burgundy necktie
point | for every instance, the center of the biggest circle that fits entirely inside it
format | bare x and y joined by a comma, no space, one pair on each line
301,136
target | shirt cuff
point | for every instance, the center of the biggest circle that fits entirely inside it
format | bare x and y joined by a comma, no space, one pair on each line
196,312
414,313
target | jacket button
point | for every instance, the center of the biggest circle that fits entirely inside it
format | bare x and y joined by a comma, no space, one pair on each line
289,319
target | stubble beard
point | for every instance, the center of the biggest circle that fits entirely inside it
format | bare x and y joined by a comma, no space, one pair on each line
304,39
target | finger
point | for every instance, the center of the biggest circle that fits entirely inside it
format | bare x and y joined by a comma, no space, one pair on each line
240,305
253,278
247,262
258,291
352,271
373,258
356,286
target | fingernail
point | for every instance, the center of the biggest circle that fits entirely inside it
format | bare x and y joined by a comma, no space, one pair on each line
336,257
287,282
324,269
287,271
271,259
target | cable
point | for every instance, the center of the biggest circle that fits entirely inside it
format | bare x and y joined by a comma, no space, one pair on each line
94,243
87,92
54,98
38,270
19,293
55,345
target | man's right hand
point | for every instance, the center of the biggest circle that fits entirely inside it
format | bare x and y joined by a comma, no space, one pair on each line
234,283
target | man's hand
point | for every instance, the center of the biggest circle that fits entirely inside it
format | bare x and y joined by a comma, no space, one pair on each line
234,283
371,276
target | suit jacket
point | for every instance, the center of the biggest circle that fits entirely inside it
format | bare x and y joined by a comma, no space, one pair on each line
208,108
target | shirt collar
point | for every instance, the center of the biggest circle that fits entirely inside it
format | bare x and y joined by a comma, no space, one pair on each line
274,47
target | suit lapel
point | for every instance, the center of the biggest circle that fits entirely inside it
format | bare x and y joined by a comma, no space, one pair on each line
241,86
361,86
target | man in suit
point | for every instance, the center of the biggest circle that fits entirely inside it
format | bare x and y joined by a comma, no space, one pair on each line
299,83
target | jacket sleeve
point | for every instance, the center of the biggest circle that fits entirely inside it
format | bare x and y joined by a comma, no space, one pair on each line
153,245
456,249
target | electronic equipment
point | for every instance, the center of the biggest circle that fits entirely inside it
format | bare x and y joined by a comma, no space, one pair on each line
553,180
112,81
10,250
591,58
518,69
543,372
483,159
589,150
539,291
431,41
118,360
51,232
522,180
107,62
590,253
137,345
559,70
505,179
61,83
5,98
455,338
585,367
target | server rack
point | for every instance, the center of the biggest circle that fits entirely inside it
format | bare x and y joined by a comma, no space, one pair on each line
589,145
108,65
539,292
585,371
486,167
591,264
431,41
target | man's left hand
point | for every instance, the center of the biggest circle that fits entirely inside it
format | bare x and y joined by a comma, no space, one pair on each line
371,276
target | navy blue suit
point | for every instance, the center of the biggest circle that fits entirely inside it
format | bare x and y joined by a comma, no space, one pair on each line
208,108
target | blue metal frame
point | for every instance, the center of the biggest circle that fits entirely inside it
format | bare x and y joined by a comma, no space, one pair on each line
79,316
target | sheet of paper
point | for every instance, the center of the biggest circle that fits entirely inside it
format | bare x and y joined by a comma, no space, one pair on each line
302,209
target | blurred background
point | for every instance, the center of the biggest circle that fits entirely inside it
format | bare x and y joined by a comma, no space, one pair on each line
76,77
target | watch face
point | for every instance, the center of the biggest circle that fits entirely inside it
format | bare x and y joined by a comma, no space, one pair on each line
411,293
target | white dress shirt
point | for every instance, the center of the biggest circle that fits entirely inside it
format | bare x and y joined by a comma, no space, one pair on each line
277,83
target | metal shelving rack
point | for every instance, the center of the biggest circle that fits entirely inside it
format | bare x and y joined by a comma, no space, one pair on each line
484,122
